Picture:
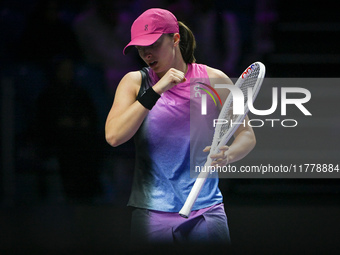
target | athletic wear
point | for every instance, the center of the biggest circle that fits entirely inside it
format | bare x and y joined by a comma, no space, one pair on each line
207,225
164,152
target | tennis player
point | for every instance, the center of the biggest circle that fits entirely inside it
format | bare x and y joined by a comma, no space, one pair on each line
153,106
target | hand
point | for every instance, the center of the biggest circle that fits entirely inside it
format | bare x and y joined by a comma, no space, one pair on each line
170,79
221,158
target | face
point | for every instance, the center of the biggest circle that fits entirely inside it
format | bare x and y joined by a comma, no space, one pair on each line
160,56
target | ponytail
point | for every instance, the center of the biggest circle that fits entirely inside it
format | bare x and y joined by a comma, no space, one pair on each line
187,43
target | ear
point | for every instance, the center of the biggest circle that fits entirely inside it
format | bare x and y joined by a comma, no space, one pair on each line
176,39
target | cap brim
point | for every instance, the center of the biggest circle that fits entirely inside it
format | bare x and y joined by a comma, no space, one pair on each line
144,40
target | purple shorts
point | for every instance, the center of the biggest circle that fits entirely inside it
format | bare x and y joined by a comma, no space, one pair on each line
208,225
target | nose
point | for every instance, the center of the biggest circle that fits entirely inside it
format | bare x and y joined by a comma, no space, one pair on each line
147,54
144,52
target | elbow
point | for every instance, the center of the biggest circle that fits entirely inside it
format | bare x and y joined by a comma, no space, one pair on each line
112,140
116,136
112,135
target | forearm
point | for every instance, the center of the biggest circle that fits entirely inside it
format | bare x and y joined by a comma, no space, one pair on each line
121,128
242,145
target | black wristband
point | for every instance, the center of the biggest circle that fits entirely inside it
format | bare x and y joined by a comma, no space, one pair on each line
149,98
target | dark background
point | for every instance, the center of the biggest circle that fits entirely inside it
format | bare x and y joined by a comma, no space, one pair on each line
53,204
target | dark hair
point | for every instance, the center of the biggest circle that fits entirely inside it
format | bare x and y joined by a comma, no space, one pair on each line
187,43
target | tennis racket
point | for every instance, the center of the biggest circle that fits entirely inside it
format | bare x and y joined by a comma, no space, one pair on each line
252,79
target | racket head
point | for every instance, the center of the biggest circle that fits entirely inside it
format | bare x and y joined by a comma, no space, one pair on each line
252,77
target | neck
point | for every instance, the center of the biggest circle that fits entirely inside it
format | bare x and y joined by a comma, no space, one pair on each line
182,66
178,64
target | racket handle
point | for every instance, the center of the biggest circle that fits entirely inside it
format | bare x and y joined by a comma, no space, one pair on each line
195,191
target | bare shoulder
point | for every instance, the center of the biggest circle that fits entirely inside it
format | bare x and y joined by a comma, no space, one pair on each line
134,77
214,73
126,93
218,77
131,82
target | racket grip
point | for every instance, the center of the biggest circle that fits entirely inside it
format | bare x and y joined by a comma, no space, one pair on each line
195,190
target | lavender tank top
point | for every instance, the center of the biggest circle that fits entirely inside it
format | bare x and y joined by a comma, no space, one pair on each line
167,148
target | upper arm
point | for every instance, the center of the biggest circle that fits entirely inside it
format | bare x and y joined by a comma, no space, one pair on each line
126,93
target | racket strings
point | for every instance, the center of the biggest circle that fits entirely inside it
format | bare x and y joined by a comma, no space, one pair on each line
229,118
250,82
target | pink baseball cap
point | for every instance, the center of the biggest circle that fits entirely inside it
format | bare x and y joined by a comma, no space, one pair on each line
150,26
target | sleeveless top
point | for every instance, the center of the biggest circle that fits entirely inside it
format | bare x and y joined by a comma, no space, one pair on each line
169,146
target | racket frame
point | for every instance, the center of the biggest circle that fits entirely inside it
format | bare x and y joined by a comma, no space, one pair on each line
217,142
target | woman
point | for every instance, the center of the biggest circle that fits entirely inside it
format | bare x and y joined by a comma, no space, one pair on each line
153,106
